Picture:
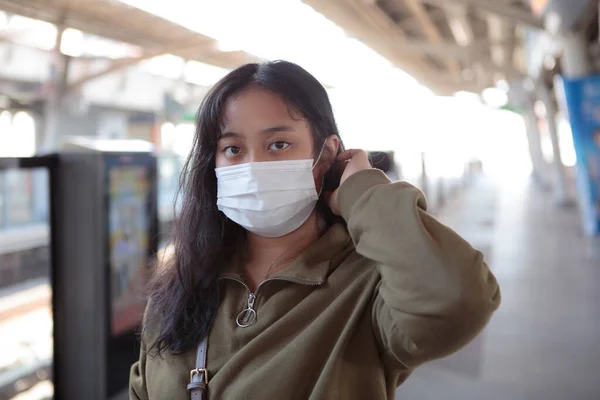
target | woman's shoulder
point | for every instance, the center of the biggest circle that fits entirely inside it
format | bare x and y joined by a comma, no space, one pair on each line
151,324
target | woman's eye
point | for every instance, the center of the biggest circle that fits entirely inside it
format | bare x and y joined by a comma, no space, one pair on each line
279,146
232,151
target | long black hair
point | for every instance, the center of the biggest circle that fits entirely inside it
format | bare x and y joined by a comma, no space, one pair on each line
184,293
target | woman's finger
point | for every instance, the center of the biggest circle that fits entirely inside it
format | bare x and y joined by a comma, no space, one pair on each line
343,156
347,155
341,165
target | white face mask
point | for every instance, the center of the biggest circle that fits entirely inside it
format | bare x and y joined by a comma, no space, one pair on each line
270,199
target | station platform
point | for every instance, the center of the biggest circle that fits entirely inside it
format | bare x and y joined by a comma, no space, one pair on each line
544,341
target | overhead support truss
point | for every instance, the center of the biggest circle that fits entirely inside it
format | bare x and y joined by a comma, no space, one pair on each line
505,11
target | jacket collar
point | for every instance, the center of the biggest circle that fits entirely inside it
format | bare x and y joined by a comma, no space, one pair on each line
315,263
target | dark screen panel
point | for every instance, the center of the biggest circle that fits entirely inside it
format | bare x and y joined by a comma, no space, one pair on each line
131,221
131,238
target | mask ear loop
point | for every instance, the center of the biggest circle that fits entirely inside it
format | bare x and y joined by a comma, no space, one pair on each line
319,157
315,164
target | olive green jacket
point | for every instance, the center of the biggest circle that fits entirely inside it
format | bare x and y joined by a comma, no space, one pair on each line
351,317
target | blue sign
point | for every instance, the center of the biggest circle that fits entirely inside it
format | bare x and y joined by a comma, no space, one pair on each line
583,103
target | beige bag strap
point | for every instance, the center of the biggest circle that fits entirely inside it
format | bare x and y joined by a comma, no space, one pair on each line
199,376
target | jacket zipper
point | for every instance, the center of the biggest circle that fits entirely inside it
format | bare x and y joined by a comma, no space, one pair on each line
248,315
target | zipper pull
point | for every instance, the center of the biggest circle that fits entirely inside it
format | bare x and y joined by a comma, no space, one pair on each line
248,315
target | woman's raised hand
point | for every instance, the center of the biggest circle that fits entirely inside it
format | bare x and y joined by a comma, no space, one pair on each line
351,162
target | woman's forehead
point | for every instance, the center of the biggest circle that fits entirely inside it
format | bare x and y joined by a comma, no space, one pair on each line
255,107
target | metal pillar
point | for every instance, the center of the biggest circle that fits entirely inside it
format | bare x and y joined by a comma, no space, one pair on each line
57,83
560,179
540,168
575,64
523,95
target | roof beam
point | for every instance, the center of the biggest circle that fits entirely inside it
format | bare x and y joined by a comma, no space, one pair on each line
510,45
432,32
445,88
115,20
114,67
507,12
122,63
425,21
501,43
508,71
459,24
463,33
401,46
370,24
501,31
445,49
379,31
448,50
496,32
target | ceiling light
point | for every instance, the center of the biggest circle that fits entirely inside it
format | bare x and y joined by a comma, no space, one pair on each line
502,85
72,43
494,97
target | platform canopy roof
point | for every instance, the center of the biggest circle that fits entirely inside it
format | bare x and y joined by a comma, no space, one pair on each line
118,21
447,45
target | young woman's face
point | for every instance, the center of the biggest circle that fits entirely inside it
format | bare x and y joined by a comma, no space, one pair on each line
258,126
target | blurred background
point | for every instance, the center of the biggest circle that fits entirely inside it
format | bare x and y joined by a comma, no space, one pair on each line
491,107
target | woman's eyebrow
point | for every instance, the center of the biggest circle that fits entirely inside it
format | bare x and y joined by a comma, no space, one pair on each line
225,135
268,131
279,128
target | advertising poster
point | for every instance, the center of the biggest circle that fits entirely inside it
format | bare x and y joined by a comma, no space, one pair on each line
130,227
582,98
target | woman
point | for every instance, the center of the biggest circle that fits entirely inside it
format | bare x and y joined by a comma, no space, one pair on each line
308,273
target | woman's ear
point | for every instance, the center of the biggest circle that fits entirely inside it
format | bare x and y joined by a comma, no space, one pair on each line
333,144
329,173
330,150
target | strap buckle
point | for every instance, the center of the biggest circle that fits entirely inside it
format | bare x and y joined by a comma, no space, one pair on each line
202,372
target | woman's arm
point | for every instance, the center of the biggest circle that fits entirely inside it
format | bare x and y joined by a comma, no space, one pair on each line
436,292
